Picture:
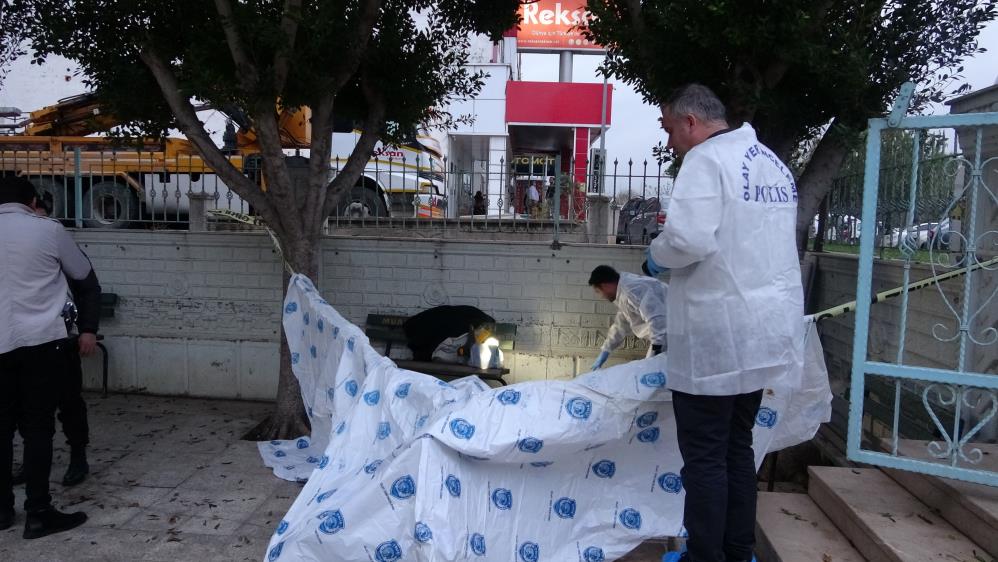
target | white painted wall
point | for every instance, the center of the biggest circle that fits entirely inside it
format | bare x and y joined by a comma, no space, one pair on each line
198,313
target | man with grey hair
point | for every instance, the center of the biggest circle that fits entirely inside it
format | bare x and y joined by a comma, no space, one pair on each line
735,309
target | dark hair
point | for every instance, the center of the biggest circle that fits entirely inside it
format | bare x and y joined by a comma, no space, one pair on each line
16,189
603,274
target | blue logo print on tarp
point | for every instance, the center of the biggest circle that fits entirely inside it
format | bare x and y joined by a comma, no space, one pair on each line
302,443
331,393
275,552
324,496
542,464
388,551
403,390
630,518
593,554
372,398
502,498
477,544
320,325
530,445
295,358
453,485
291,307
332,522
654,380
421,421
350,344
530,552
671,482
766,417
649,435
281,527
462,428
324,461
384,430
280,454
508,397
305,318
351,386
372,466
647,418
604,468
312,351
336,332
422,532
312,460
403,488
564,508
579,408
341,427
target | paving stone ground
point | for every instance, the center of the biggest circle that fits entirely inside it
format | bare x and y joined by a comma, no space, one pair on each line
170,480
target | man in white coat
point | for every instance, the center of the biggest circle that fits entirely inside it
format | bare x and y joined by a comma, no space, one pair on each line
640,309
735,309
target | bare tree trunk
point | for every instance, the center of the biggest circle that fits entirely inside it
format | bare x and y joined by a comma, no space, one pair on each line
289,419
816,181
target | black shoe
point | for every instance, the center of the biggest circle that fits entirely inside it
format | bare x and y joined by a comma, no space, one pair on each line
18,476
77,471
6,518
49,521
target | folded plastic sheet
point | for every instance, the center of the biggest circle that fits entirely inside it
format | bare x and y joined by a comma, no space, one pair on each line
403,466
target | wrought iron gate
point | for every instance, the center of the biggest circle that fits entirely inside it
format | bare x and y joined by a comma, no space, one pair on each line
946,375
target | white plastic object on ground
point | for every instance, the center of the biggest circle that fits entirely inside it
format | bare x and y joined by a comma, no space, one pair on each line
403,466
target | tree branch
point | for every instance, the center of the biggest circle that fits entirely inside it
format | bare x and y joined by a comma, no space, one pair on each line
370,12
246,70
348,175
289,29
192,127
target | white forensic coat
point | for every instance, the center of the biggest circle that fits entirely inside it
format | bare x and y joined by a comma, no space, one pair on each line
641,309
735,297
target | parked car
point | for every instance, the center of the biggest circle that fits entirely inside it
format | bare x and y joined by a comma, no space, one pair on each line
640,221
919,235
939,236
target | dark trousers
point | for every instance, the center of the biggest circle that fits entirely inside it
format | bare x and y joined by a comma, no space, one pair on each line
715,440
29,391
72,408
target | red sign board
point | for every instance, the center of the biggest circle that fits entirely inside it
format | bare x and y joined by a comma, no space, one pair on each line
557,103
549,25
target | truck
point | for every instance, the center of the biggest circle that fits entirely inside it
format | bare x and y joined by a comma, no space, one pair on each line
123,184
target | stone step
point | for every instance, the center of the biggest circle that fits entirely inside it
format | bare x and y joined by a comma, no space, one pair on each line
792,528
971,508
883,521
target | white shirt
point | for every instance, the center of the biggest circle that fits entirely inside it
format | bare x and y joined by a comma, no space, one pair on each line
533,194
36,255
641,309
735,297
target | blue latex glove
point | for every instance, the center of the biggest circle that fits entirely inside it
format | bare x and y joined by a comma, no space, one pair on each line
652,268
603,356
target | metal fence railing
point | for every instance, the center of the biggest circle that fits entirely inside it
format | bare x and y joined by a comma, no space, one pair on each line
838,224
95,187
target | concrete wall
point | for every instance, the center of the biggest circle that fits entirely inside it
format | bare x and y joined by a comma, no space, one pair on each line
927,312
199,312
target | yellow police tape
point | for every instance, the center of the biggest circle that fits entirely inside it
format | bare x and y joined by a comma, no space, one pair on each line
255,221
882,296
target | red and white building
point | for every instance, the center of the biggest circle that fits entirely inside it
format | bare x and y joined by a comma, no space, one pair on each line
521,129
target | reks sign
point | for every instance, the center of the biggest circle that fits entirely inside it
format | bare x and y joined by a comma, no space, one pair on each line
549,25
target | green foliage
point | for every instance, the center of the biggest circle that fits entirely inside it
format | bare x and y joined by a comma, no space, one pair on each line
12,33
795,65
414,57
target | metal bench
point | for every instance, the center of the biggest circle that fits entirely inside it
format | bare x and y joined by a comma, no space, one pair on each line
387,328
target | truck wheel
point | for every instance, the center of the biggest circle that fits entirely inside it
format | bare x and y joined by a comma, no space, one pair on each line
58,191
110,204
361,203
